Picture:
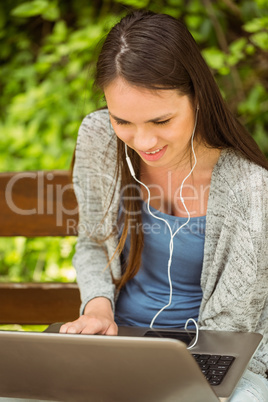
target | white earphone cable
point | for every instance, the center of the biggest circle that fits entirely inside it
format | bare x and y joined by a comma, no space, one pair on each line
171,244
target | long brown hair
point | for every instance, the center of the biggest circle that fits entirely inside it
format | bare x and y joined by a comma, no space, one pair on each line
157,52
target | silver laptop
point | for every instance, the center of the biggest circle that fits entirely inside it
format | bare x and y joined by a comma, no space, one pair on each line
140,365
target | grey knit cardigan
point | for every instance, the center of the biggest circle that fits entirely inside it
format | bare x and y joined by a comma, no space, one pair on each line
234,276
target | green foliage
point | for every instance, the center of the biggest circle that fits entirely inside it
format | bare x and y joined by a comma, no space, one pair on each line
47,9
47,53
38,259
28,328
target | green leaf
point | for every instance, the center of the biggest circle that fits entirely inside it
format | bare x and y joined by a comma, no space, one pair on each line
238,45
134,3
214,57
224,70
256,24
250,49
51,13
260,39
262,4
193,21
254,100
236,50
59,33
30,8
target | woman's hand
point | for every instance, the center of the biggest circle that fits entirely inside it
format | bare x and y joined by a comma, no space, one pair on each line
98,319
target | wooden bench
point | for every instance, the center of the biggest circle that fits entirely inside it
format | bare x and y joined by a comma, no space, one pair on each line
38,203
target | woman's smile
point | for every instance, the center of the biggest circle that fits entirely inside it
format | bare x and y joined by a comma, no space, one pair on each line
153,155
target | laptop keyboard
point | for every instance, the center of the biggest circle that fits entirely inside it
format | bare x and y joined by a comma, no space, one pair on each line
214,367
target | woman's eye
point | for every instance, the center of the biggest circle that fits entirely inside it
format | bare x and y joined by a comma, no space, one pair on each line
161,123
121,122
125,123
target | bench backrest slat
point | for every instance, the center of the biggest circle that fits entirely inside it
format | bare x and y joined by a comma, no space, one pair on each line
38,303
40,203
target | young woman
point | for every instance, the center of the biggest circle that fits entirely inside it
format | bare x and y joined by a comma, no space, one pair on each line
172,195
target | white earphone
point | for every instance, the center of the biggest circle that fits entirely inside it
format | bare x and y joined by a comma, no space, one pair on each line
132,172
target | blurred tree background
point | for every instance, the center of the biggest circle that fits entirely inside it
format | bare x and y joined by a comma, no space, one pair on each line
47,53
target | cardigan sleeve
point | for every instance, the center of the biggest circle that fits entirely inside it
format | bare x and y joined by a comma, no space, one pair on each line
234,279
91,181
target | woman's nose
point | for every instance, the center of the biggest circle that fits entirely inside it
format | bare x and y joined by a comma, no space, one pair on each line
144,139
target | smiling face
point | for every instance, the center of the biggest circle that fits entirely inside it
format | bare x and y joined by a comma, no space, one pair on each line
158,125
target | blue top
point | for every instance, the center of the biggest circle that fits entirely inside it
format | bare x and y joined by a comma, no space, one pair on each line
145,294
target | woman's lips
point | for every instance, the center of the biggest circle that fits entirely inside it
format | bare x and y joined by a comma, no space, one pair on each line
154,156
